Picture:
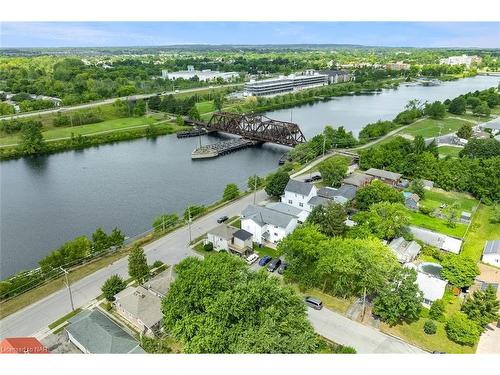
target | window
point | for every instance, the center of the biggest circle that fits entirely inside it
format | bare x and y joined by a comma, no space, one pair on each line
301,204
276,234
290,201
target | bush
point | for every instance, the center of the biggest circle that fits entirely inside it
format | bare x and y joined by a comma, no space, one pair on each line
430,327
209,246
462,330
425,210
341,349
157,264
436,311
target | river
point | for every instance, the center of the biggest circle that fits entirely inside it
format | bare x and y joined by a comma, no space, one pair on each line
47,200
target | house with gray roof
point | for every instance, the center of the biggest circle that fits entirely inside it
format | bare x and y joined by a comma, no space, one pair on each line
159,285
388,177
491,253
227,238
267,224
405,251
298,194
93,332
141,308
342,195
358,180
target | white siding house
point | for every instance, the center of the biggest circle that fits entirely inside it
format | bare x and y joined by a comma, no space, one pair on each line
266,224
491,253
298,194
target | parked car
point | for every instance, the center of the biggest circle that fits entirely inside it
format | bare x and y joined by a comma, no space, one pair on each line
316,178
252,258
222,219
308,180
282,268
264,260
273,266
314,303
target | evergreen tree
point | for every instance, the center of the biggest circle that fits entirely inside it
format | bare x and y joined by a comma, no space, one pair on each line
482,307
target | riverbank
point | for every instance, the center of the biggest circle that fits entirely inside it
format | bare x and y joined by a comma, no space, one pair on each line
78,141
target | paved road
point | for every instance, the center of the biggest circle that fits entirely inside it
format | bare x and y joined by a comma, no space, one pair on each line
364,339
171,249
108,101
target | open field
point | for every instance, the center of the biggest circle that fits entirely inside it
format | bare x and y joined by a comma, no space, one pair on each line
449,151
428,127
205,107
480,231
436,224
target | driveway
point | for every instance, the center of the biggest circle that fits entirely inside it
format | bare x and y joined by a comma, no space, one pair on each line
489,343
365,339
170,249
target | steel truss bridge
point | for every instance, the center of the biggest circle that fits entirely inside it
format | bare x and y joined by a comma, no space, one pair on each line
257,128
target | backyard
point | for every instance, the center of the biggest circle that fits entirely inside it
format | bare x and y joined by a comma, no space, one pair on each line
481,230
414,332
436,224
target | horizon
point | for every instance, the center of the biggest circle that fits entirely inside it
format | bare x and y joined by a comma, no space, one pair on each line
419,35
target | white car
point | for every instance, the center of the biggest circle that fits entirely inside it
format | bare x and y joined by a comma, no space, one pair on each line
252,258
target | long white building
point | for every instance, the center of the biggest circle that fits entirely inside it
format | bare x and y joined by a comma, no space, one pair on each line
203,75
461,60
285,84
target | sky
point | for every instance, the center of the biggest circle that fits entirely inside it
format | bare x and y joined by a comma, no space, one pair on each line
111,34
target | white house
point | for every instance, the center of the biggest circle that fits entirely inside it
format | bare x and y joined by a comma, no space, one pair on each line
267,224
491,253
298,194
432,287
224,237
220,236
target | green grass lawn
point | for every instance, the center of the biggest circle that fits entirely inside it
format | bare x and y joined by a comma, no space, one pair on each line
263,251
414,332
116,124
340,305
480,231
436,224
205,107
434,198
430,127
449,151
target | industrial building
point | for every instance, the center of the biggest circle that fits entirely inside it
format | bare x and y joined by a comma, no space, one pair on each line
285,84
203,75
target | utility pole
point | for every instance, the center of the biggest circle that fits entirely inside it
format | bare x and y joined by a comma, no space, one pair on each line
69,287
254,188
189,224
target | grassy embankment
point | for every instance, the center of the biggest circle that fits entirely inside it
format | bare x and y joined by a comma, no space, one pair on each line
452,151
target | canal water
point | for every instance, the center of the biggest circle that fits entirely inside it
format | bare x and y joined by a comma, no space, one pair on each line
47,200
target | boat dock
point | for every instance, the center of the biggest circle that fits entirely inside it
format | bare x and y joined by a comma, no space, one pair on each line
191,133
221,148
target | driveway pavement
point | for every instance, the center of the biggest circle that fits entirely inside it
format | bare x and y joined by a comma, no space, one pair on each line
365,339
489,343
170,249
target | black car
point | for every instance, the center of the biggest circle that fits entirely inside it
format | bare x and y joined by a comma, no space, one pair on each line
273,266
308,180
222,219
316,178
282,268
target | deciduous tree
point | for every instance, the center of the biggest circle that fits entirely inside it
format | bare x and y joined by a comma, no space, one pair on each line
137,264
